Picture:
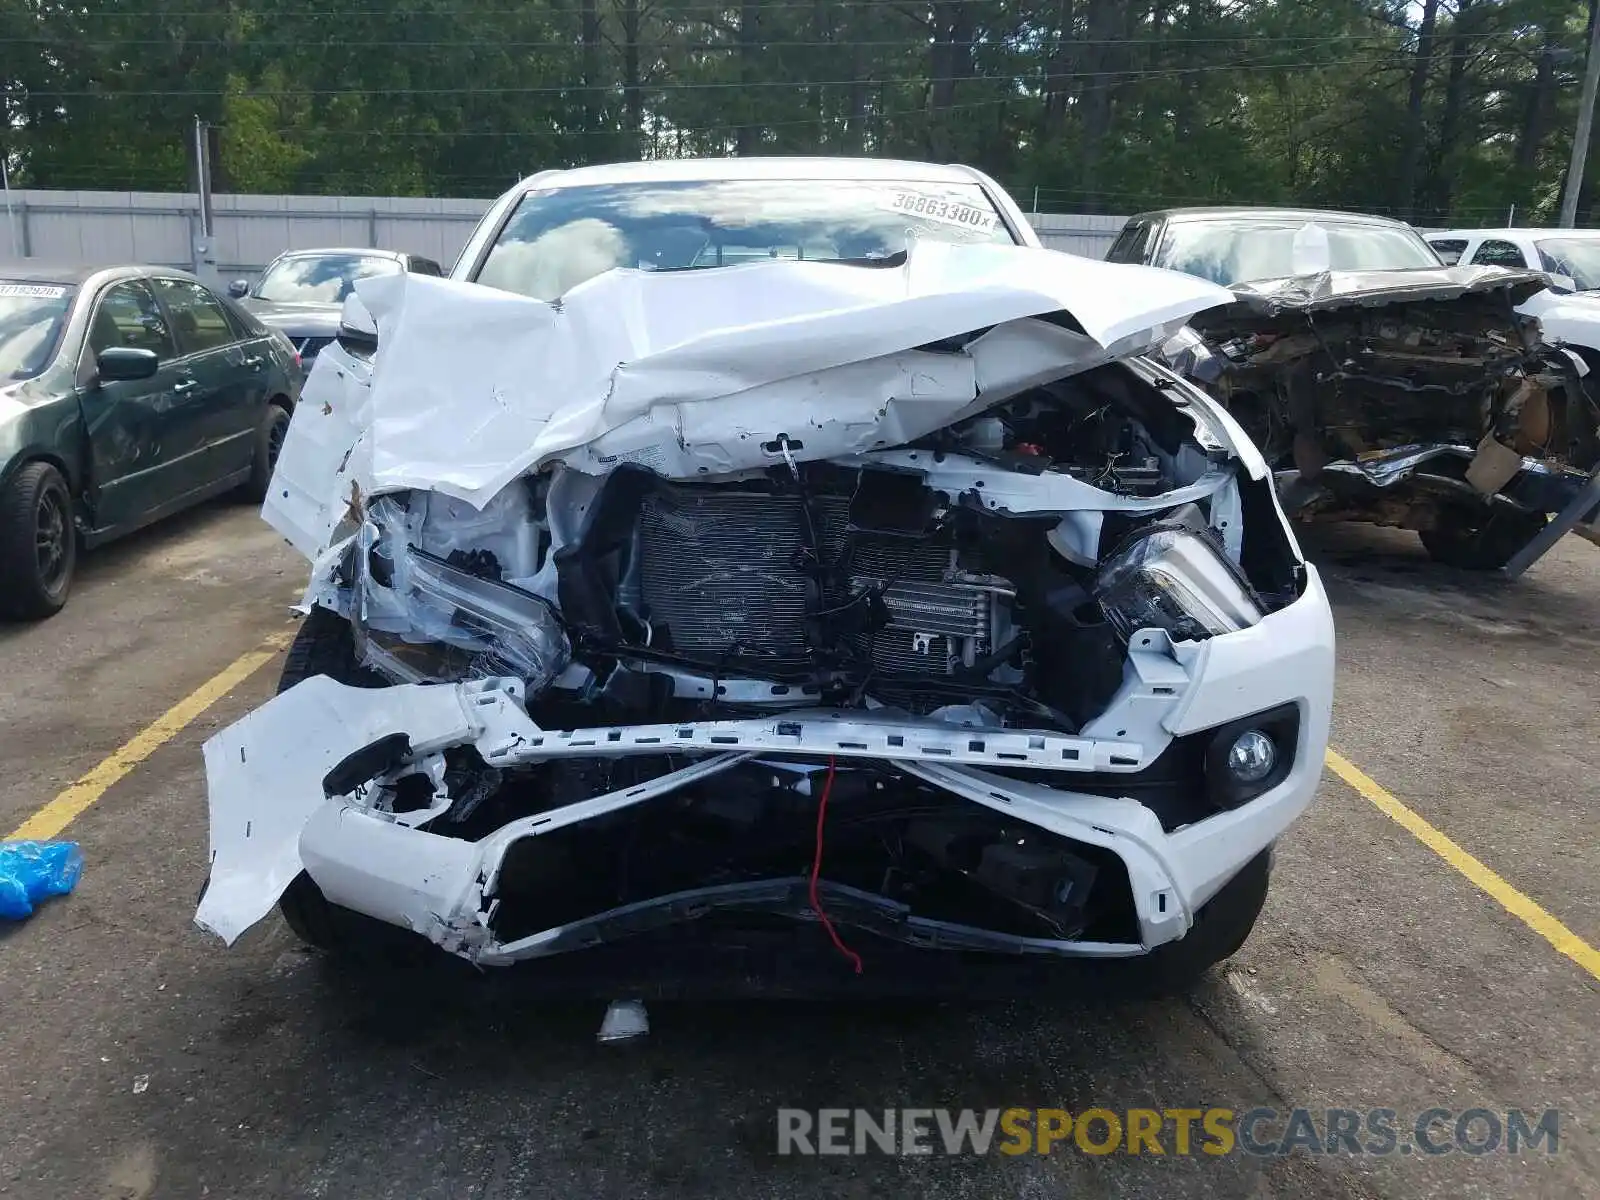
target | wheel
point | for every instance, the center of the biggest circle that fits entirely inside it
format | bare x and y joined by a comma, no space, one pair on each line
38,543
273,429
1220,929
1480,541
325,646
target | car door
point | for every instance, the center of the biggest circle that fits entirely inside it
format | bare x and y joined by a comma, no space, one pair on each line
134,454
221,412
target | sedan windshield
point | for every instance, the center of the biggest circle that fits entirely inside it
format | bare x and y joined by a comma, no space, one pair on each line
31,317
559,237
1576,258
319,278
1234,252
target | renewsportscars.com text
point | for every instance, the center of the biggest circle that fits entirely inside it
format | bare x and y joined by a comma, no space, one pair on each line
1177,1131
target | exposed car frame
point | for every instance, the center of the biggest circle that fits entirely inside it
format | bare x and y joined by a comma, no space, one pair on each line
1354,439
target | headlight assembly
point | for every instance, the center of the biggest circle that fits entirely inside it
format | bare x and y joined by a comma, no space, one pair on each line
1168,576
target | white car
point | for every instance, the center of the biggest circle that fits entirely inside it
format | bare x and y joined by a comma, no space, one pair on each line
1569,311
873,600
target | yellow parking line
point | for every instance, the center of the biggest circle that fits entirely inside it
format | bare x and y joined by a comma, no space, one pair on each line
55,816
1524,908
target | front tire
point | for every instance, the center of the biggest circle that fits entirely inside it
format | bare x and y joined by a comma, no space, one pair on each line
38,543
1220,929
1480,541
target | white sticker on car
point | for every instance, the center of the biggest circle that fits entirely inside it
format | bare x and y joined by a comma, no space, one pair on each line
35,291
945,212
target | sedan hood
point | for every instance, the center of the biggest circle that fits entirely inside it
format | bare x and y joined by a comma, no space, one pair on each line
700,374
297,320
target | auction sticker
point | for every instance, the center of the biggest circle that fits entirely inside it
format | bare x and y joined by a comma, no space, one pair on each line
34,291
945,212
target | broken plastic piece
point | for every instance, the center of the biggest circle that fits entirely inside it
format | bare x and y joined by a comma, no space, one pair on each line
33,871
624,1021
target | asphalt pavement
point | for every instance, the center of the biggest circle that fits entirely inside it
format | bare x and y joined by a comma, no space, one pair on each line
140,1058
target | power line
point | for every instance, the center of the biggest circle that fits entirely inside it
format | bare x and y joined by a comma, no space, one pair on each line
1293,40
690,10
716,85
677,9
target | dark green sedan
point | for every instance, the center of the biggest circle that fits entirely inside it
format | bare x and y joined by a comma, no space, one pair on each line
126,394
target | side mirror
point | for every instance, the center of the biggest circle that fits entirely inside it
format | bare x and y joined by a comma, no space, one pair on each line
1562,285
121,363
239,289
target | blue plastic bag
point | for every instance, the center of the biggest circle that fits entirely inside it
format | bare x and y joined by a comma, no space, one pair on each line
32,871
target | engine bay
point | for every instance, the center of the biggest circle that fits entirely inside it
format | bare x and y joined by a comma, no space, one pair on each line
894,579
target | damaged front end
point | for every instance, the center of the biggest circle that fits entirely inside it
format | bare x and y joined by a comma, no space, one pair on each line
1419,399
999,643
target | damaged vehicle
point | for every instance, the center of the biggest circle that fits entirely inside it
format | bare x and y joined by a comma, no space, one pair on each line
866,597
1383,386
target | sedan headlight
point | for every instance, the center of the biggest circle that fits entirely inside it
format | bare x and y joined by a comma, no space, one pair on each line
1171,577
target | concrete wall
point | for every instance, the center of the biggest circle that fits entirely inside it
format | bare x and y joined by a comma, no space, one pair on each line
1090,236
160,227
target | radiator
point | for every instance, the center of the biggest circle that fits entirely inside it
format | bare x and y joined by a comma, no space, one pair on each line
719,575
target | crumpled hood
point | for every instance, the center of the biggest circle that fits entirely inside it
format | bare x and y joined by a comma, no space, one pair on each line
1345,289
699,374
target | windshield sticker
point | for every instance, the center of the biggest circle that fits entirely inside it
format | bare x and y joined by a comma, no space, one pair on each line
36,291
945,212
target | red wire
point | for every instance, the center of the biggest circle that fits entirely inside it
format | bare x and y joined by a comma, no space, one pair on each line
816,870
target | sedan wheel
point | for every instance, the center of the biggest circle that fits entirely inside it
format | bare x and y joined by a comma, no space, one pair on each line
51,532
277,431
38,543
270,435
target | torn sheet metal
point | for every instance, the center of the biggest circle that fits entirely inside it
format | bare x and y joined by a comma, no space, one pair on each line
284,749
697,373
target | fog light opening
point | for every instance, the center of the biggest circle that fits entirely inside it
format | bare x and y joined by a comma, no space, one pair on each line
1252,757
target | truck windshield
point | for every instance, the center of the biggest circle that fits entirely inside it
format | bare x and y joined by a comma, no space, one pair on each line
1232,252
31,316
559,237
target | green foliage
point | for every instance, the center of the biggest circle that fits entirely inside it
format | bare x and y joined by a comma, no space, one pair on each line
1096,105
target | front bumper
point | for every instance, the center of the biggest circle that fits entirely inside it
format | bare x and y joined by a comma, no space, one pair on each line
271,818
